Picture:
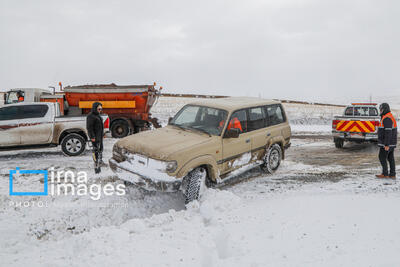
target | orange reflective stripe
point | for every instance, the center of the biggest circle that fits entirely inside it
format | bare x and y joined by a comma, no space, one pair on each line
390,116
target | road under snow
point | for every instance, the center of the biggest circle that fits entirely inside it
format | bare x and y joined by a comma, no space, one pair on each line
323,207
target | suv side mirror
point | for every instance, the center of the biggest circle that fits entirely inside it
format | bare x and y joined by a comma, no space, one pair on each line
169,120
232,133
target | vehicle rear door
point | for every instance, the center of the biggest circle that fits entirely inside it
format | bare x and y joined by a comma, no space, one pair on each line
275,116
236,152
9,120
36,124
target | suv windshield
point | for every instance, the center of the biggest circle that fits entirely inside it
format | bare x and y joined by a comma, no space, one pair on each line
204,119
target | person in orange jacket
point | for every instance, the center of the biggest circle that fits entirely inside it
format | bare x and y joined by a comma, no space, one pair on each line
387,141
234,123
20,97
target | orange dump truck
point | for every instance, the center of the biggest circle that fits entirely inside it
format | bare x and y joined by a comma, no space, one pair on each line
128,106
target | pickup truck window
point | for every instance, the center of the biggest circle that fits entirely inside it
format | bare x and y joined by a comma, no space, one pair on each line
361,111
8,113
349,111
274,115
23,112
33,111
373,112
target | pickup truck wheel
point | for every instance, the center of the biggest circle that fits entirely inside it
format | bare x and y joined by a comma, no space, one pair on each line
272,159
194,184
73,144
338,142
119,129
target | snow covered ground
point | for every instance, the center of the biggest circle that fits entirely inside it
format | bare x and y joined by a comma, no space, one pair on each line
323,207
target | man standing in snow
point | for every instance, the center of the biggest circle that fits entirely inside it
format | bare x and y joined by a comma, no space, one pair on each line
95,129
387,141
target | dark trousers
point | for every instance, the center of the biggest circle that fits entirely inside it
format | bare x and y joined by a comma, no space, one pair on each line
384,157
97,153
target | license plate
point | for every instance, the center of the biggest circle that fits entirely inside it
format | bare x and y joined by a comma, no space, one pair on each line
141,159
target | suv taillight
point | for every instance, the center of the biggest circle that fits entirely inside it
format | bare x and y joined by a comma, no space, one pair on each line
334,124
107,123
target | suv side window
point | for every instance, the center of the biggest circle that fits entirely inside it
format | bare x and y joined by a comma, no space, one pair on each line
238,120
9,113
33,111
256,119
274,115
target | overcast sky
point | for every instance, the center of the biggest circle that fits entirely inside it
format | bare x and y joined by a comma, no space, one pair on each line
310,49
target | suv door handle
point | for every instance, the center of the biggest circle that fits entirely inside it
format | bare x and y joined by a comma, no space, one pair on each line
248,141
268,134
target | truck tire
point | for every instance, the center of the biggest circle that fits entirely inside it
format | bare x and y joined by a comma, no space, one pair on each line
194,184
338,142
272,159
73,144
120,129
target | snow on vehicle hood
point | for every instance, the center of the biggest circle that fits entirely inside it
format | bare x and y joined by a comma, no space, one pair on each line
162,142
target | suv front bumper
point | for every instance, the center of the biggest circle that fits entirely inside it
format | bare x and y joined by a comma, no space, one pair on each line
143,180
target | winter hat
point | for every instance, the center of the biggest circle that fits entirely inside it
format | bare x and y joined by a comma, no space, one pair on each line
384,108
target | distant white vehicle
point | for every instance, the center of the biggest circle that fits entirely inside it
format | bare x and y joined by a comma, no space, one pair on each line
359,123
30,125
28,94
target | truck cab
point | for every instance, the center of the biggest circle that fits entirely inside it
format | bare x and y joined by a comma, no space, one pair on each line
30,95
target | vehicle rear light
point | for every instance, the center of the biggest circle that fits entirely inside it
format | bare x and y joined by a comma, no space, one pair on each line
334,124
375,123
107,123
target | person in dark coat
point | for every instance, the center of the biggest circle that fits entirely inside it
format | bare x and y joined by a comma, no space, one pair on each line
387,141
95,129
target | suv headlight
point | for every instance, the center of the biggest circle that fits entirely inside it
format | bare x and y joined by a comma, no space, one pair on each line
171,166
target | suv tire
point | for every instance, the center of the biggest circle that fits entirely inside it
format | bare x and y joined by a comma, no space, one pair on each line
194,184
73,144
272,159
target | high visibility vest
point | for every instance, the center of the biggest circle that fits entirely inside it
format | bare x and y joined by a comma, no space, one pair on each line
21,99
234,123
388,115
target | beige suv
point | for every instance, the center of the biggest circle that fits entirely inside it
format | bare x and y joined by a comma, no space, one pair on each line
208,143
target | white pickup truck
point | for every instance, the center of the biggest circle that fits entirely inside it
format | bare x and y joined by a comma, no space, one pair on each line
30,125
359,123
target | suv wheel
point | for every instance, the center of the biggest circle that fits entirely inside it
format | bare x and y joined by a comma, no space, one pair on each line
272,159
338,142
73,144
194,184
